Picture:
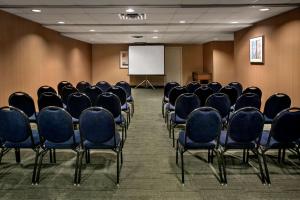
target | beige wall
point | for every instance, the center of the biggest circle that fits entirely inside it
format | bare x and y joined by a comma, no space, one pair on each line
31,56
281,70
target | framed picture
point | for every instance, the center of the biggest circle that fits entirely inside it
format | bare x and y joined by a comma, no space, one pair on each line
124,59
257,50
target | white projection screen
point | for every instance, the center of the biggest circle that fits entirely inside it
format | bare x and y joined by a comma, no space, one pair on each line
147,60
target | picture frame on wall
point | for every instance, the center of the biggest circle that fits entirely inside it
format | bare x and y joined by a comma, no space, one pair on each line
257,50
123,59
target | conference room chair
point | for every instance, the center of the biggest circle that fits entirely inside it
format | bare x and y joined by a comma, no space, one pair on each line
66,91
120,92
82,85
167,88
49,99
247,100
104,86
93,92
231,93
203,128
45,88
274,104
243,133
112,103
16,133
215,86
254,90
238,86
56,132
77,102
24,102
184,105
127,89
220,102
98,132
173,95
203,93
192,86
61,85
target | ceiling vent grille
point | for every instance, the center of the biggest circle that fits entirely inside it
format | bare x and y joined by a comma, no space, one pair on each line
132,16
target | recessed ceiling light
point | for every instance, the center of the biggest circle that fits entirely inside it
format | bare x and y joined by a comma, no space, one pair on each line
264,9
130,10
155,31
60,22
155,37
36,10
235,22
182,21
92,30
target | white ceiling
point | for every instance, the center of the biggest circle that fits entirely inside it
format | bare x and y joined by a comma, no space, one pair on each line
206,20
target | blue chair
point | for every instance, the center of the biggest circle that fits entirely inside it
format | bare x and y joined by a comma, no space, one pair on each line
284,134
184,105
97,129
66,91
56,132
215,86
15,132
104,86
45,88
61,85
254,90
238,86
168,87
192,86
244,132
231,93
247,100
203,93
93,92
127,89
49,99
77,102
25,103
82,85
203,127
112,103
274,104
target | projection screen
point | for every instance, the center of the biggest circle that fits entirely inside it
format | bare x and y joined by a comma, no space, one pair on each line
147,60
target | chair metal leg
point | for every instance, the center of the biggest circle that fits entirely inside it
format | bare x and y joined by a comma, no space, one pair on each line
54,156
18,155
247,156
173,134
266,168
177,148
283,155
50,156
118,167
76,168
87,156
223,167
182,167
259,159
35,165
220,167
79,167
279,156
42,154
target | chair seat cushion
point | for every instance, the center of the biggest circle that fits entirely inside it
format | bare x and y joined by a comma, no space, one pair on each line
27,143
233,144
273,144
106,145
177,120
120,119
69,144
189,144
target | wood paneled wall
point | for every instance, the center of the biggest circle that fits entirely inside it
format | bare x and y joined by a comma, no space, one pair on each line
31,56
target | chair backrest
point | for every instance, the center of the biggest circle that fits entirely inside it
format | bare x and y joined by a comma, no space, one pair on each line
219,101
97,125
103,85
125,87
22,101
66,91
78,102
192,86
238,86
175,93
55,125
231,93
204,125
120,92
61,85
215,86
254,90
248,100
82,85
203,93
286,126
245,125
168,87
276,103
110,102
49,99
14,125
185,104
45,88
93,92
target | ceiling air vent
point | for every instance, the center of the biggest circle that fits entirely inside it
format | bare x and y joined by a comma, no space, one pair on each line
132,16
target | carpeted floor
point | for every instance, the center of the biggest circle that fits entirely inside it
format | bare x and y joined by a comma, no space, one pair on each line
149,170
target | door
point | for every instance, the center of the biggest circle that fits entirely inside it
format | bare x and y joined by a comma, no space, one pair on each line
173,64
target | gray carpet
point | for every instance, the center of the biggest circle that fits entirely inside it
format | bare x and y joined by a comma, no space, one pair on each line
149,170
